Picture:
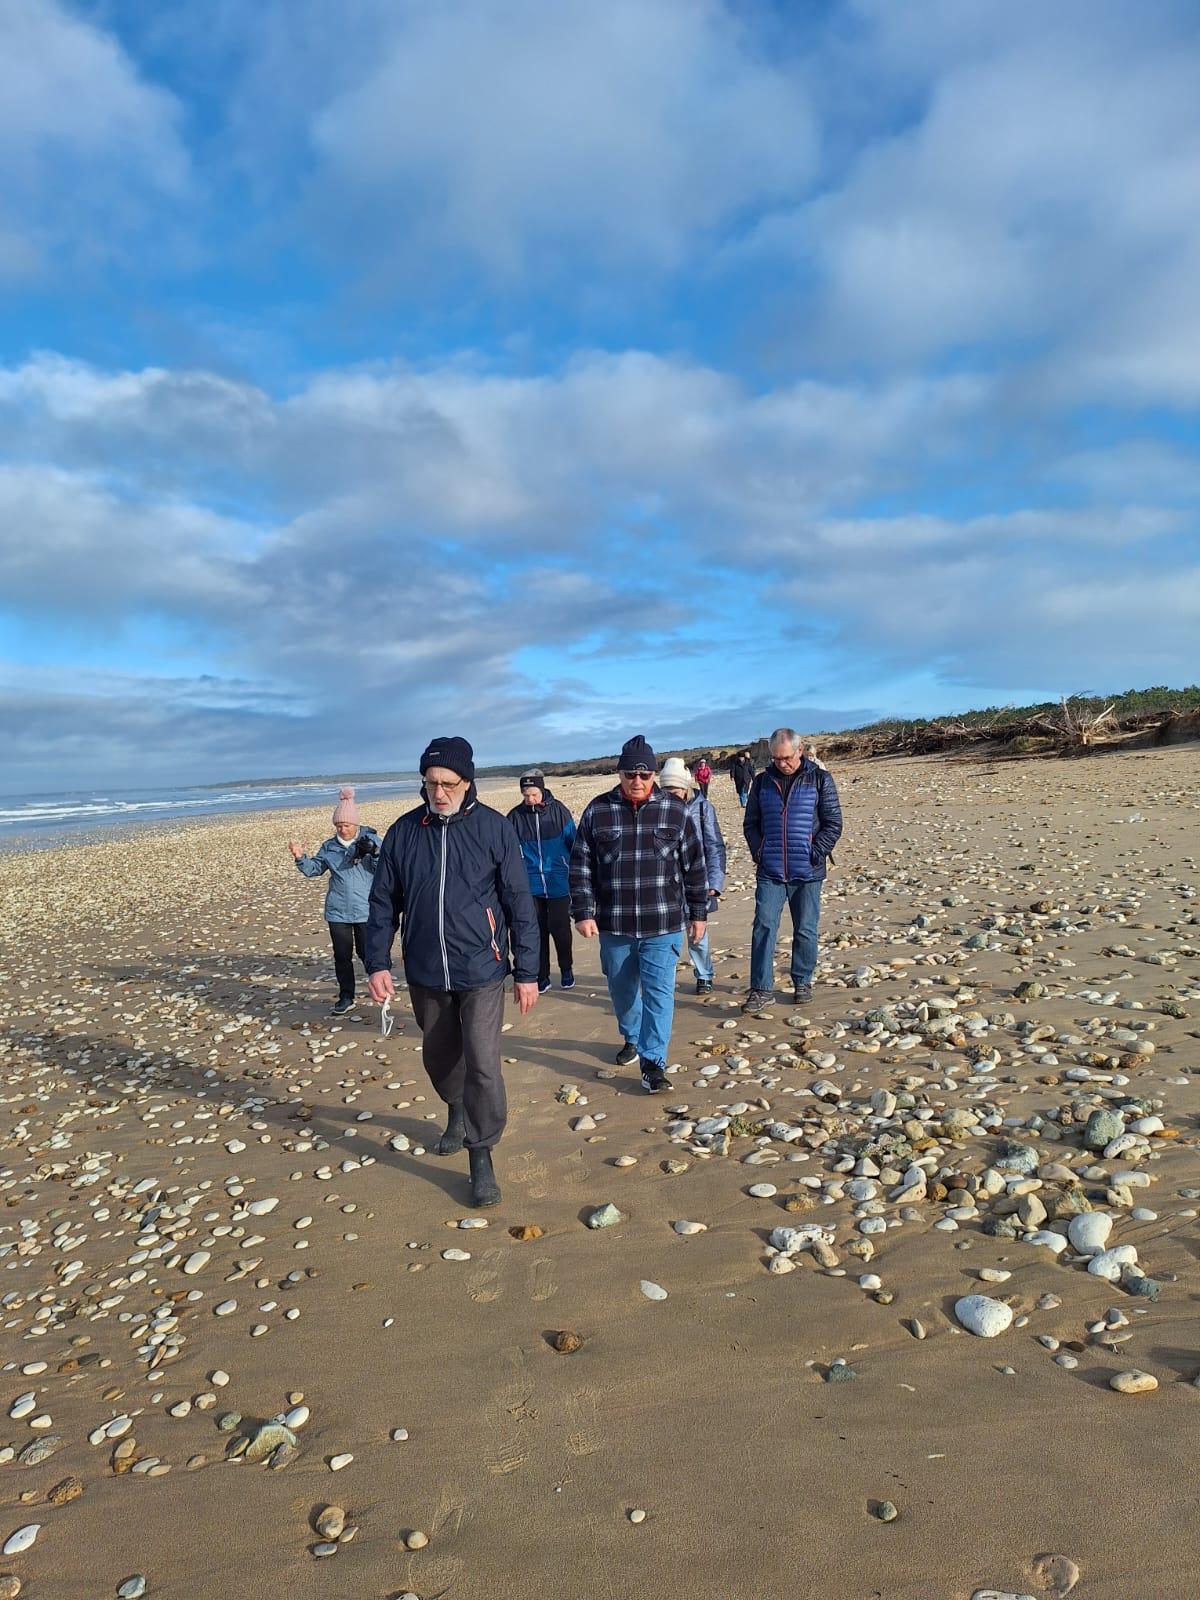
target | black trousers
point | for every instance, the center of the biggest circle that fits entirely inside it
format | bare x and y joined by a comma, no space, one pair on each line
347,937
460,1047
554,922
703,787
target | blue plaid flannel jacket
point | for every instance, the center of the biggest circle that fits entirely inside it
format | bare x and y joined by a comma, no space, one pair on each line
639,873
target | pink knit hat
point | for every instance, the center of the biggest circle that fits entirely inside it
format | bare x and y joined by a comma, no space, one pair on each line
345,810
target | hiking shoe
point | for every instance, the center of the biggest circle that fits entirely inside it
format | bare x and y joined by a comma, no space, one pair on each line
654,1078
802,994
627,1055
485,1191
544,988
758,1000
340,1007
568,980
703,985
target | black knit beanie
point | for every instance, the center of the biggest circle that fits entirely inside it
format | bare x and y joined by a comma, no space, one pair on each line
449,752
636,752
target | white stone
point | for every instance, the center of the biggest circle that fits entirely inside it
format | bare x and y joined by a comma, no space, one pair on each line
981,1315
225,1309
262,1208
296,1417
22,1406
196,1261
652,1291
336,1463
1089,1232
762,1191
1108,1263
687,1228
456,1255
1048,1239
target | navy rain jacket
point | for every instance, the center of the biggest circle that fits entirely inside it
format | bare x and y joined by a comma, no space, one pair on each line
459,885
791,840
547,833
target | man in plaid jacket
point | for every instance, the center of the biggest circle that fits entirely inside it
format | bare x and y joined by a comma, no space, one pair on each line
637,875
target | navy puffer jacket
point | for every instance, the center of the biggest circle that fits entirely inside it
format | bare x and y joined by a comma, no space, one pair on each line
459,884
791,839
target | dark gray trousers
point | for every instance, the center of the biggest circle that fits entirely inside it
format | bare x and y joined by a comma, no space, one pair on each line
460,1046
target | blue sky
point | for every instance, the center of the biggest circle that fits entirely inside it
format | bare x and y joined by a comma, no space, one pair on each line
547,373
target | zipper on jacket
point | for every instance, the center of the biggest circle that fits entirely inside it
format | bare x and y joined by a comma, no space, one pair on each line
537,823
442,908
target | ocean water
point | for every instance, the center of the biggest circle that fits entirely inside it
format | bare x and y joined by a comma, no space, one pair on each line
27,820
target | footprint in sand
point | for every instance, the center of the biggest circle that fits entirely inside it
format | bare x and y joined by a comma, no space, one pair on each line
484,1284
509,1414
541,1280
574,1168
531,1173
583,1415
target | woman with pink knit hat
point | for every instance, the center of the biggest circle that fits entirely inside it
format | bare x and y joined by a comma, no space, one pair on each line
349,858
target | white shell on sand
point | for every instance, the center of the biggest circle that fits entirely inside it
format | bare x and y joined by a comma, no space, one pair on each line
690,1227
652,1291
21,1539
1089,1232
981,1315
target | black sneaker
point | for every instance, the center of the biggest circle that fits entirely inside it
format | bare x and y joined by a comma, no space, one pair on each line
654,1078
802,994
627,1055
758,1000
544,988
703,985
340,1007
568,980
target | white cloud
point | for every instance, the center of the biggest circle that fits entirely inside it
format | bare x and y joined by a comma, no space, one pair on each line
85,142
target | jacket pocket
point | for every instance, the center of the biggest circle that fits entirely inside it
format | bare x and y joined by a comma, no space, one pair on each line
665,841
608,844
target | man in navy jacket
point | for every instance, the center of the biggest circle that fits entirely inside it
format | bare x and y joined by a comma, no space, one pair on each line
793,820
546,831
451,868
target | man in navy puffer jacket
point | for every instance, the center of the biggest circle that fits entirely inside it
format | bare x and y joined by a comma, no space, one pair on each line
546,830
451,868
793,820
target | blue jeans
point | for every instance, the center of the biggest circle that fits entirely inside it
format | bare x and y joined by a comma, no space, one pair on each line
701,958
641,985
803,897
743,796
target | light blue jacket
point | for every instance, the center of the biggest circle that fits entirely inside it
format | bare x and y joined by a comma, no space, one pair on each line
349,884
704,819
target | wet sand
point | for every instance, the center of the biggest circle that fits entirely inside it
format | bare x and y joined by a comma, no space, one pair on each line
168,1060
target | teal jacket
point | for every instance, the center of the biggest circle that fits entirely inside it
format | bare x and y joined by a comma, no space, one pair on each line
351,873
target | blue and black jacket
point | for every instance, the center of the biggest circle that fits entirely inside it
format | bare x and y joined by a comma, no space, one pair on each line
792,830
459,885
546,834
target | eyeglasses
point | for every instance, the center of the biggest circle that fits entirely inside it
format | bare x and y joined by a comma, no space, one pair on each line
448,788
639,772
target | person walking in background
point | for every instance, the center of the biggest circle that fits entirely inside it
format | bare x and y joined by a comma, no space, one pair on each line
677,780
637,875
741,770
349,858
546,831
793,820
452,870
703,776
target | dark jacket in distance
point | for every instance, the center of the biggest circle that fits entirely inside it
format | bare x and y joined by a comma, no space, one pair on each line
458,886
546,834
791,837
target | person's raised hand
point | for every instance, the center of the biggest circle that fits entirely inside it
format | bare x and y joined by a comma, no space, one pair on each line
526,996
381,986
587,929
296,849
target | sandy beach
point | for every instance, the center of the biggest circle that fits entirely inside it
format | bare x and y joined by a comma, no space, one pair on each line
220,1205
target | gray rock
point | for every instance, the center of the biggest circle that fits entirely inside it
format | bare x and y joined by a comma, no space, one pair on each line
39,1450
606,1216
264,1441
133,1588
1102,1128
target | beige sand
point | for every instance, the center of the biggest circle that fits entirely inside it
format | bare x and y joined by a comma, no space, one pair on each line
132,967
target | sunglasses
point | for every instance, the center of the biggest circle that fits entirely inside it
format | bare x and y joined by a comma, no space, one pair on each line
639,772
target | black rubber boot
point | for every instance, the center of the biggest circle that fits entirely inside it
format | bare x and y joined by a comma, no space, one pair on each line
485,1191
451,1141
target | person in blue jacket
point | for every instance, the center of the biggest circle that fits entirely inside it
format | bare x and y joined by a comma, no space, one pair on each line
676,779
793,820
349,858
452,870
546,830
